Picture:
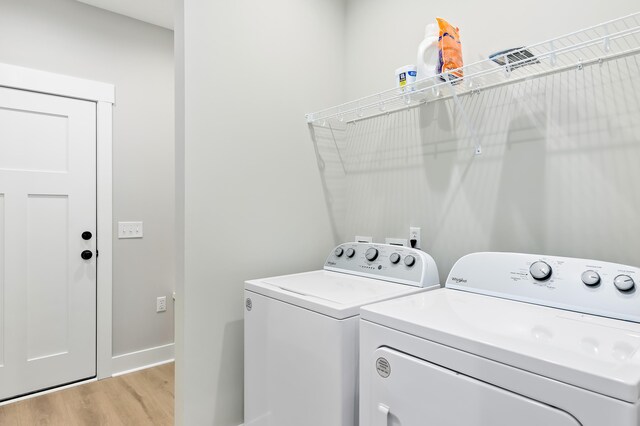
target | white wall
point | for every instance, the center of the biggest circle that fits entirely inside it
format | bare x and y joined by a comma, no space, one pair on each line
558,172
68,37
253,202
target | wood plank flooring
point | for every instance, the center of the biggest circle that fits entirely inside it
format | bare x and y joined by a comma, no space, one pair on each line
141,398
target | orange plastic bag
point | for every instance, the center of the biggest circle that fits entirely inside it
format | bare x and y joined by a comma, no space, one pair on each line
450,50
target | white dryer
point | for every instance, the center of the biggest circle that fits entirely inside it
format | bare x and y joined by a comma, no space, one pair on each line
301,333
512,339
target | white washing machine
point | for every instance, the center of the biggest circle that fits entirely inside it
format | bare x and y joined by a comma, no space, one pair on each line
512,339
301,333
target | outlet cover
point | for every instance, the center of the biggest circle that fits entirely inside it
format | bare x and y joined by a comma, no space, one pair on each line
161,304
402,242
414,234
363,239
130,230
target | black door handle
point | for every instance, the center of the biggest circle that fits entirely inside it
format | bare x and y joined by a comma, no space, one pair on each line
86,235
86,255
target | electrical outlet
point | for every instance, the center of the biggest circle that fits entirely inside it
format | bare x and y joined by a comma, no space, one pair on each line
161,304
129,229
414,234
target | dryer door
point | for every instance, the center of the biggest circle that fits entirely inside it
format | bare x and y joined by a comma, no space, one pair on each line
408,391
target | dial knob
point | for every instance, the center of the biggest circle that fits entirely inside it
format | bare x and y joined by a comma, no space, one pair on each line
394,258
590,278
371,254
624,283
338,252
540,270
350,252
409,261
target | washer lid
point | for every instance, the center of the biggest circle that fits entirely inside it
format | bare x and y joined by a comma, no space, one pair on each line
330,293
594,353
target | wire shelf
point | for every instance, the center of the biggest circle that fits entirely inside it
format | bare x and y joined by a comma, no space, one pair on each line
592,46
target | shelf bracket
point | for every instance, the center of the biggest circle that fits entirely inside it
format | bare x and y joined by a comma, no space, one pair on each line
465,117
507,67
436,88
552,54
607,40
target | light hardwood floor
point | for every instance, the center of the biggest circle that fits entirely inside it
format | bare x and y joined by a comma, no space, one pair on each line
141,398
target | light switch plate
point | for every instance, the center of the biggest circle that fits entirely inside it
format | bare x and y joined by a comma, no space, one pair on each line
129,229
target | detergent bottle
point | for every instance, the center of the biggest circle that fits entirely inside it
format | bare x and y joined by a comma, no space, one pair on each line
427,61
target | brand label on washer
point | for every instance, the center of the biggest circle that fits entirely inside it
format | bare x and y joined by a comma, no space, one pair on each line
248,304
383,367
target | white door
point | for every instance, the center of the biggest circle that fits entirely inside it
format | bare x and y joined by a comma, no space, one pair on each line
47,202
408,391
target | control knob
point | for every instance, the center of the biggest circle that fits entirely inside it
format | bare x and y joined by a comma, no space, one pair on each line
590,278
624,283
394,258
371,254
339,251
409,261
540,270
350,252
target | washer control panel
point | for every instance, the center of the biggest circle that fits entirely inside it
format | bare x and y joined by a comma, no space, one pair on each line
386,262
588,286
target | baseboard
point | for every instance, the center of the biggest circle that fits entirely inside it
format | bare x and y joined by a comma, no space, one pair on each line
44,392
146,358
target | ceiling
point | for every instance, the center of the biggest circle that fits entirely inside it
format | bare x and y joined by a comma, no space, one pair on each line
157,12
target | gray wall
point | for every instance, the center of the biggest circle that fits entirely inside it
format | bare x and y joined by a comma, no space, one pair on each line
68,37
558,172
253,202
381,35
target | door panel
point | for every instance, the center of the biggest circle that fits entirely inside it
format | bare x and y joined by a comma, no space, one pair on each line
47,285
408,391
21,135
48,187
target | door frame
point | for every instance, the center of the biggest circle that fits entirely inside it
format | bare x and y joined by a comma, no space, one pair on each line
103,94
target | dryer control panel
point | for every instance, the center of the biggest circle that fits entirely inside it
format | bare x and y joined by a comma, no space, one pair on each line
403,265
588,286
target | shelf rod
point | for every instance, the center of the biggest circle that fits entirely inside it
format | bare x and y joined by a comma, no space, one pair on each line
589,62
